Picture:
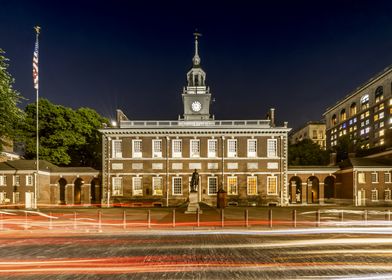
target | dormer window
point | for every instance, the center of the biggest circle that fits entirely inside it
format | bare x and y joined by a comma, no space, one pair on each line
343,115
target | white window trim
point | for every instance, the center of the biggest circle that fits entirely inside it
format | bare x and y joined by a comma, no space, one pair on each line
118,154
140,192
208,185
229,153
364,178
252,154
196,155
14,195
236,187
156,154
27,180
212,154
14,181
120,179
376,192
276,180
182,187
275,154
371,176
390,195
3,180
247,185
154,179
137,154
176,154
390,181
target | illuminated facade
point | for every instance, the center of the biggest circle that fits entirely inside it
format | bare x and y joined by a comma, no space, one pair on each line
365,114
314,131
151,162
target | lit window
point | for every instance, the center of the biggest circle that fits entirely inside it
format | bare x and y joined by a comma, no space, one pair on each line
232,185
157,148
252,185
367,130
387,195
374,177
365,101
272,186
343,115
116,149
117,187
177,148
3,197
252,148
381,132
195,148
381,115
3,180
272,147
374,195
137,148
212,147
381,124
157,187
15,197
334,120
16,180
137,187
177,186
361,178
379,94
232,147
387,177
376,117
212,185
353,109
29,180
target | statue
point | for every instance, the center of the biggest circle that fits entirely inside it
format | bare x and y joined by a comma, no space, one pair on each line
194,181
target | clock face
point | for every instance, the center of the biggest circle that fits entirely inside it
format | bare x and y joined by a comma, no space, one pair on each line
196,106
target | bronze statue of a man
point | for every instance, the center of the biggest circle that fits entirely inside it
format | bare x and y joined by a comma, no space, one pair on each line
194,181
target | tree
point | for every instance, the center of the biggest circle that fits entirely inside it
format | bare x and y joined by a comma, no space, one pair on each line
10,114
66,136
345,146
306,152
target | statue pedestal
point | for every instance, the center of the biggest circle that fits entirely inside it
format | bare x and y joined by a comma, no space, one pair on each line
193,205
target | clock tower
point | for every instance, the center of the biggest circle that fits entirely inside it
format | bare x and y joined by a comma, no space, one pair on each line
196,95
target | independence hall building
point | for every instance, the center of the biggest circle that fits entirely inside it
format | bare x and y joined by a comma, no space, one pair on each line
152,162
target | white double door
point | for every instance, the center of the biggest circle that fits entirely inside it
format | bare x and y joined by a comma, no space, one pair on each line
29,200
361,198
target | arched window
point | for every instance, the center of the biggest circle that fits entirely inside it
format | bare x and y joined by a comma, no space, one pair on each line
343,115
353,109
365,102
334,120
379,94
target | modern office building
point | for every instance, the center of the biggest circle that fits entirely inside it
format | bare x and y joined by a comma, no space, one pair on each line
365,115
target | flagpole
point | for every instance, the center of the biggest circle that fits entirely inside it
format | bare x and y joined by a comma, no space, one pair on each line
37,30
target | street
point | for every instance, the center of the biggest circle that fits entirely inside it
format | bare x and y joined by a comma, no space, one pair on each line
322,253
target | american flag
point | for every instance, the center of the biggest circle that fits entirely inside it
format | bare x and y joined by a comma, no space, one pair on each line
35,65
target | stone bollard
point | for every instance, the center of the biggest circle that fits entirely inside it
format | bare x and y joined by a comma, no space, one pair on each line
318,218
149,218
270,218
222,218
197,217
246,218
174,218
294,218
124,219
99,220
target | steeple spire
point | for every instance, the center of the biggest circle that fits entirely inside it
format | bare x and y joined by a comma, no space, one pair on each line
196,57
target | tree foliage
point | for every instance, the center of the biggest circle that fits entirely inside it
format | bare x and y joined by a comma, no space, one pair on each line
66,136
306,152
10,114
345,146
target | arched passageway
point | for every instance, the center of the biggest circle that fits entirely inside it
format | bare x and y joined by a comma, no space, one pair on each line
78,191
329,189
62,184
313,193
95,192
295,190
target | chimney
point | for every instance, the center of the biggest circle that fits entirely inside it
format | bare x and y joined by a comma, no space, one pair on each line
272,117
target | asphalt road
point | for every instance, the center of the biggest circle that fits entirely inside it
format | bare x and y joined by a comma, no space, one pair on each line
316,253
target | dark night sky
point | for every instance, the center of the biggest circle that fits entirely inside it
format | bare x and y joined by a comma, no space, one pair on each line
297,56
